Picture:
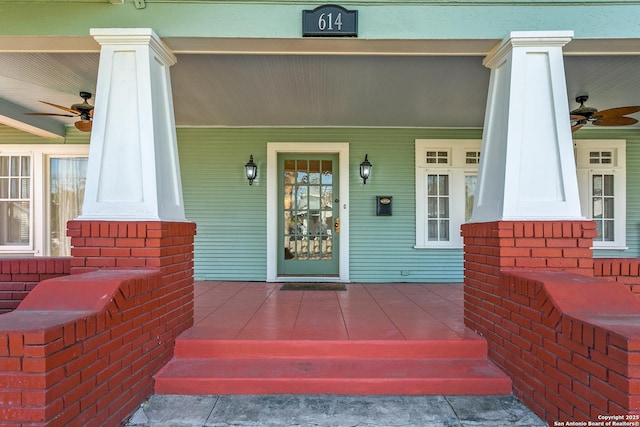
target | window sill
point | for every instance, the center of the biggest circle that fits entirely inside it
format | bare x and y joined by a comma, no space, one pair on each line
456,247
609,248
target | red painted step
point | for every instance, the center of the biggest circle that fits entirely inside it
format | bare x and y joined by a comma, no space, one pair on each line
331,367
332,376
205,348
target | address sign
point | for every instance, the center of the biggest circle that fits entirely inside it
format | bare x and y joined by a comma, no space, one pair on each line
329,21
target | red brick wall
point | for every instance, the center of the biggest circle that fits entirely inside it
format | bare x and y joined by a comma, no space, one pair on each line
18,276
570,343
527,289
87,359
63,362
623,270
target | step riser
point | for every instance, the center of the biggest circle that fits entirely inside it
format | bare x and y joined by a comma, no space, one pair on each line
459,386
190,348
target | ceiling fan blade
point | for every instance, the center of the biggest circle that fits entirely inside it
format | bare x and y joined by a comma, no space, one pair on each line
576,127
616,121
69,110
50,114
577,118
616,112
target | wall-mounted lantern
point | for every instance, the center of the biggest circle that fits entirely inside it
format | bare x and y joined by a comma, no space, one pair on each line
251,169
365,169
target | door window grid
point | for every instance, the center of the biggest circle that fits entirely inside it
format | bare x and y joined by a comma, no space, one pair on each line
308,209
438,207
602,206
15,200
67,177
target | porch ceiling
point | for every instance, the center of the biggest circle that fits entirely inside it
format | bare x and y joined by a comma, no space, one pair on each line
289,86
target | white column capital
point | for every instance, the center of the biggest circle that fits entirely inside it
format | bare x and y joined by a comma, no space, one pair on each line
530,39
134,37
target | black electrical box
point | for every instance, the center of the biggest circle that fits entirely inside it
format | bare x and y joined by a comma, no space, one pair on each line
383,205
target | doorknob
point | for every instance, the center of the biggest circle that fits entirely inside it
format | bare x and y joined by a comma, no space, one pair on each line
336,225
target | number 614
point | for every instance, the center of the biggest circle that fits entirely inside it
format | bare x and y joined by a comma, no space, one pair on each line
326,21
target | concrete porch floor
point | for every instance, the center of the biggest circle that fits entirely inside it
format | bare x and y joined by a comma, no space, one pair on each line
260,313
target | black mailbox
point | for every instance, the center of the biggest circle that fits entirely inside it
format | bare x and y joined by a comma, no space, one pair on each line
383,205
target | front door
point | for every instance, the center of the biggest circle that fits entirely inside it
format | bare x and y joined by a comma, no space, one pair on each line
308,215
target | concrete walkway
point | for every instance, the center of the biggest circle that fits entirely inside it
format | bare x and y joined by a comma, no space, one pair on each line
333,411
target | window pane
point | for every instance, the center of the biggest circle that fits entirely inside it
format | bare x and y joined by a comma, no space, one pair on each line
15,207
443,207
444,230
67,194
25,188
608,185
443,185
438,207
608,208
607,230
14,168
597,208
470,191
432,230
314,171
432,187
14,223
432,207
4,166
597,185
25,166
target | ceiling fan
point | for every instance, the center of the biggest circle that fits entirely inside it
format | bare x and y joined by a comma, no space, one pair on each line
612,117
83,110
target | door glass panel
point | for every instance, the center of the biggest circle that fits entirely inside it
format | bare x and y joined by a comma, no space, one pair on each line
308,209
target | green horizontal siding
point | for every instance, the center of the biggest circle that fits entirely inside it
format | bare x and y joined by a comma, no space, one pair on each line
231,215
9,135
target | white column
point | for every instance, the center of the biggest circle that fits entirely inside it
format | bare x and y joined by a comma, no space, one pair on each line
527,168
133,170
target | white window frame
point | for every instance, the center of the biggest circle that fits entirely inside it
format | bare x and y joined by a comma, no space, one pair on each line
39,225
457,169
618,168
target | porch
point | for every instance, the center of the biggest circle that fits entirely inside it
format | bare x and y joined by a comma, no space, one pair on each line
398,338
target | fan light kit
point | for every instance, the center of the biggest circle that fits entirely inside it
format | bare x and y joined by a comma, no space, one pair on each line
611,117
83,110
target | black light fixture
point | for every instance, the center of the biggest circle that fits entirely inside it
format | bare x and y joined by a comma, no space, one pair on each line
365,169
251,169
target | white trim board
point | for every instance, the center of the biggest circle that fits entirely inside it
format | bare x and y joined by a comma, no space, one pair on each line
275,148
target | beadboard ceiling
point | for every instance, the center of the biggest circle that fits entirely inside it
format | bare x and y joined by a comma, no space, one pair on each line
314,89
